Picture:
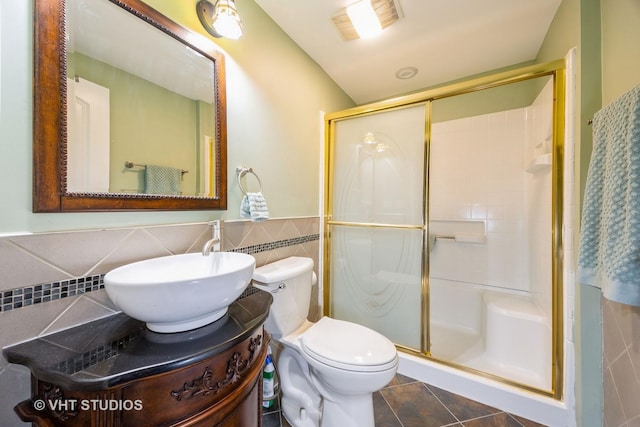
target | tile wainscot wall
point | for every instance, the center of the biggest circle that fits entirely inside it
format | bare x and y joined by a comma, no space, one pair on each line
53,281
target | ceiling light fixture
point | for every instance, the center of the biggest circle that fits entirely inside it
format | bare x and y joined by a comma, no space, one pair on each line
364,19
221,20
381,13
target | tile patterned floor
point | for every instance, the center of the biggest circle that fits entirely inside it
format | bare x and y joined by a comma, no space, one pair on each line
406,402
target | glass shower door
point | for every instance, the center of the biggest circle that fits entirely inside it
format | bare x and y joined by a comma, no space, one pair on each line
376,223
490,222
444,224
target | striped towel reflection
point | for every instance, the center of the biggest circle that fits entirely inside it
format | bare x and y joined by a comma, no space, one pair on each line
162,180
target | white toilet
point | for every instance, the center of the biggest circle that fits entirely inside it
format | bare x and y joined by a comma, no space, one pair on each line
329,369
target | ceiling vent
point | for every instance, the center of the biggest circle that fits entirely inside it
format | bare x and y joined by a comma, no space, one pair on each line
388,12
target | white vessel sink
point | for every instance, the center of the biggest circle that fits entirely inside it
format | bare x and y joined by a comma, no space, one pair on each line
180,292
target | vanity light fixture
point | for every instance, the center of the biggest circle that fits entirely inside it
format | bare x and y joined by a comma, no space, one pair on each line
221,19
366,18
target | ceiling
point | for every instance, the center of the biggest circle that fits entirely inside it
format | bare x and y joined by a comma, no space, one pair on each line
444,39
90,27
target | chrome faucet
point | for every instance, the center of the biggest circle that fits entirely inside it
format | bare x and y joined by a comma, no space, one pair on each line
215,243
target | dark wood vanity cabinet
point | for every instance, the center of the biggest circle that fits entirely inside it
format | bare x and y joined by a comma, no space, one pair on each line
224,390
114,372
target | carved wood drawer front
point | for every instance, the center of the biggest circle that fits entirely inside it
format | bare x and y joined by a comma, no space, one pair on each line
223,390
183,393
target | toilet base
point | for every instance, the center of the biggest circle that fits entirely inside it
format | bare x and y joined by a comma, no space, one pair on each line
301,403
351,411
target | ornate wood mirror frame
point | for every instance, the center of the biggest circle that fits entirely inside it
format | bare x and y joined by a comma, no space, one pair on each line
50,109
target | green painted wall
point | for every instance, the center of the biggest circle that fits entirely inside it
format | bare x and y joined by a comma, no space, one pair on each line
501,98
588,314
149,125
619,72
567,31
620,53
275,98
275,92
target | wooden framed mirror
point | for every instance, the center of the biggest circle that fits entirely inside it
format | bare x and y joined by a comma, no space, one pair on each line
137,136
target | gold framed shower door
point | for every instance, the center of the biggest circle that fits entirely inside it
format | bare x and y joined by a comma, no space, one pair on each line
555,70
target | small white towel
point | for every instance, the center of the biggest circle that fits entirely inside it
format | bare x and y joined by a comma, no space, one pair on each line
254,206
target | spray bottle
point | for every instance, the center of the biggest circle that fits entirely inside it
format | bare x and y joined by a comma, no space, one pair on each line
269,381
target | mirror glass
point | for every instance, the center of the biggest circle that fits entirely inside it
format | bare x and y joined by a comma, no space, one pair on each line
148,114
142,120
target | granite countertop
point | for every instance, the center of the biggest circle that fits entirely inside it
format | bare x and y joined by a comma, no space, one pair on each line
117,349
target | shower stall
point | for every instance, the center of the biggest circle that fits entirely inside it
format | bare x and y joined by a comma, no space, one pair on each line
443,225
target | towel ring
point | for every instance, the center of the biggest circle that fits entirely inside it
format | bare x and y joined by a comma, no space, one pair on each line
242,171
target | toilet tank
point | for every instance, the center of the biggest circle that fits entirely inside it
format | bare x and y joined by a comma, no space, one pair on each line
289,281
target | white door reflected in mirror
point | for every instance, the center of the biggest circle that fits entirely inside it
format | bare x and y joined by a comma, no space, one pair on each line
88,137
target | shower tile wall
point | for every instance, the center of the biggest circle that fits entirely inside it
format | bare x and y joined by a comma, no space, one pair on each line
55,260
495,168
477,174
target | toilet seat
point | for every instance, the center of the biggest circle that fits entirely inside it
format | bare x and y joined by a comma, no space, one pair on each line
348,346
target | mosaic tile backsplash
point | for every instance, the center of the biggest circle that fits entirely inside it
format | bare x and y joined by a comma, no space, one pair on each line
53,281
45,292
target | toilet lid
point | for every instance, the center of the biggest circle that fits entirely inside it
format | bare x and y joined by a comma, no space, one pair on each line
348,346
